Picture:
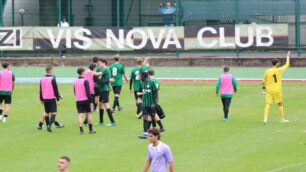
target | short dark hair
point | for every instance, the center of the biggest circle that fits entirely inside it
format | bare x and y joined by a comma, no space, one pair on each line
5,65
65,158
80,71
48,68
155,132
103,61
95,59
139,60
226,68
92,66
143,76
274,62
116,59
151,72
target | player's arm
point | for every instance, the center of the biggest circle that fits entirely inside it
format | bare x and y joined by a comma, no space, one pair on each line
131,82
264,81
87,89
123,73
146,166
234,82
13,79
218,86
40,93
171,166
55,89
283,68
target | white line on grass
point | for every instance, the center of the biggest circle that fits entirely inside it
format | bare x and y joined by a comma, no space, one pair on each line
287,166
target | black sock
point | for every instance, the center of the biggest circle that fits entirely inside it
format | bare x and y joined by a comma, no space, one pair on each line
117,101
154,124
90,127
145,125
139,108
47,120
110,115
5,116
114,103
95,106
1,111
56,123
149,124
101,113
160,124
40,124
81,129
85,121
52,119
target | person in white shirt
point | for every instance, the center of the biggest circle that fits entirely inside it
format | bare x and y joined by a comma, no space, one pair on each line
63,23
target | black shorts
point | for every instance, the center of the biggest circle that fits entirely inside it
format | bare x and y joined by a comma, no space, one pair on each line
97,91
92,98
117,89
148,111
104,97
137,96
83,106
6,98
50,106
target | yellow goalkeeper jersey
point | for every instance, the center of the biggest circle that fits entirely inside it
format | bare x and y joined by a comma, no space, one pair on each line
272,79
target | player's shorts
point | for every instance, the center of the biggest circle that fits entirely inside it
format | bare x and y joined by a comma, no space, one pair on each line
97,91
50,106
104,97
137,96
83,106
148,111
6,98
117,89
274,97
92,98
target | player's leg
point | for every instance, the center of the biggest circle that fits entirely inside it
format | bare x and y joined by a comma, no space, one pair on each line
101,110
47,113
279,100
145,124
159,123
117,95
41,121
227,105
89,118
269,100
7,101
223,105
115,99
110,114
96,98
80,120
53,111
1,108
139,106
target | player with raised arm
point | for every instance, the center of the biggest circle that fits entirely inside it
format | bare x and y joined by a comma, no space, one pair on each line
272,86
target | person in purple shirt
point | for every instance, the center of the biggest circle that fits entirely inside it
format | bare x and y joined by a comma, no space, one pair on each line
159,154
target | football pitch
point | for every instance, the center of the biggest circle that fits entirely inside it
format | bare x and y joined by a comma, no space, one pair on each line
199,138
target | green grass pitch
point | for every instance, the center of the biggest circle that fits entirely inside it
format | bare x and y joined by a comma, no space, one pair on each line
200,140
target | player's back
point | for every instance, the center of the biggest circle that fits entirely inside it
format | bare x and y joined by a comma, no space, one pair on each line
117,70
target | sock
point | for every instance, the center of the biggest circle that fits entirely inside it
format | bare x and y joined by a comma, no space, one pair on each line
145,125
95,106
149,124
81,129
40,124
52,119
160,124
85,121
138,108
90,127
1,111
267,109
154,124
281,111
56,123
110,115
101,113
5,116
47,120
117,101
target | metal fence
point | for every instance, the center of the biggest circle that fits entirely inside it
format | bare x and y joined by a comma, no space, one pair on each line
131,13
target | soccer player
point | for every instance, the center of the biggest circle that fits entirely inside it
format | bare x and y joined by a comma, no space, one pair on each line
145,65
225,88
95,60
117,71
156,118
159,154
272,86
104,82
148,91
63,164
136,82
83,100
49,95
7,82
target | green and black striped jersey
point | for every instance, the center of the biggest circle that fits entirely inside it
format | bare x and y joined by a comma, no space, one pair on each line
150,93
